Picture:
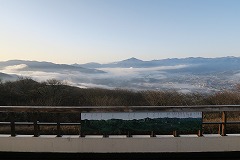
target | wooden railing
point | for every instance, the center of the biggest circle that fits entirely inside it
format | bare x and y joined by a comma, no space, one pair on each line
12,110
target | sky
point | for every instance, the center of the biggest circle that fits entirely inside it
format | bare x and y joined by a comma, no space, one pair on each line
81,31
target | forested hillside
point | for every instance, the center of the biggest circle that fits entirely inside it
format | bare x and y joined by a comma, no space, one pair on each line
26,91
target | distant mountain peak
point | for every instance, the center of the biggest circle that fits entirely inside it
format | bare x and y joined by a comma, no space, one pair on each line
133,59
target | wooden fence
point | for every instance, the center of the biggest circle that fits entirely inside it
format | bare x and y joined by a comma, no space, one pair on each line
12,110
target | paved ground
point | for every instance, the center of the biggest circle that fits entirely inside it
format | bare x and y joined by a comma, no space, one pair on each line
129,156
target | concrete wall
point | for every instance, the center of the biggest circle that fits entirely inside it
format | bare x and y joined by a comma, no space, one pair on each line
74,144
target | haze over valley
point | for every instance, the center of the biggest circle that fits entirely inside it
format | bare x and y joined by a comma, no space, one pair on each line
204,75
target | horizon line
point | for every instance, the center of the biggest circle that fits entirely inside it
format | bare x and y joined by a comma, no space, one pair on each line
120,60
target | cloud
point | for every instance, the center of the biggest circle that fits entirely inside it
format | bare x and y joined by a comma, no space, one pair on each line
15,67
136,71
128,78
42,76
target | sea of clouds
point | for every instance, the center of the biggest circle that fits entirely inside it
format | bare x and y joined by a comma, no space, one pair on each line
124,78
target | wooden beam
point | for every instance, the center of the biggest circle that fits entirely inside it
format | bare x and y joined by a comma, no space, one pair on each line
224,121
35,124
74,109
12,124
200,134
80,126
175,133
58,126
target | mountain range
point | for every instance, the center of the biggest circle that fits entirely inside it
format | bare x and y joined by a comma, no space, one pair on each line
45,66
214,64
222,63
184,74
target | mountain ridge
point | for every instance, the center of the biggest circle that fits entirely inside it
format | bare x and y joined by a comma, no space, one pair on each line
137,63
45,66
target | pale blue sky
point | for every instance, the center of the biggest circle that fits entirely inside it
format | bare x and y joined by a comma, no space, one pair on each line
79,31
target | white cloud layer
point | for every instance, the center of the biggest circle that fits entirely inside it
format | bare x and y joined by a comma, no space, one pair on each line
126,78
136,71
15,67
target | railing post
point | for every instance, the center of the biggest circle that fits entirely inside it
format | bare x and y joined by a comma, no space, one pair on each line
200,134
224,121
105,135
35,124
80,126
200,131
12,117
175,134
58,126
153,134
129,134
219,129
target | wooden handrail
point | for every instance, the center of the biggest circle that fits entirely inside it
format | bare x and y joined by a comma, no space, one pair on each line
74,109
